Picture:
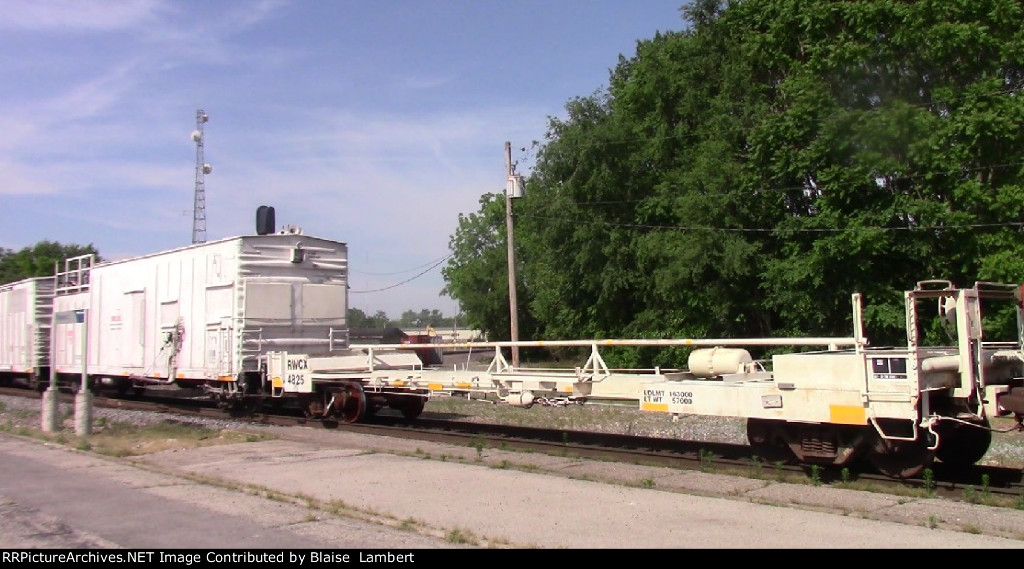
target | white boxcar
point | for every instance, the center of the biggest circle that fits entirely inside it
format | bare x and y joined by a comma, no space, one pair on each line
204,313
25,328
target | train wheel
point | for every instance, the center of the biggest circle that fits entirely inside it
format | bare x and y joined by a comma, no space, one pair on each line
125,389
351,402
245,407
961,444
413,407
36,384
900,459
763,439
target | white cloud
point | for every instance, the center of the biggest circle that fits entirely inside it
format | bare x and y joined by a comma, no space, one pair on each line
21,179
84,15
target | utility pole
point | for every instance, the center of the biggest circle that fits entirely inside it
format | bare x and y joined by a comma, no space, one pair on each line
512,190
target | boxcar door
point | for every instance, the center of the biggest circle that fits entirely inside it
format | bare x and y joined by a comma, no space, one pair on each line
134,329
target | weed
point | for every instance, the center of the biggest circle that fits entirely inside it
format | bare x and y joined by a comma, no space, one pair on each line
1019,505
275,496
706,460
816,474
756,468
933,522
459,535
929,481
971,495
479,445
647,483
83,445
503,465
845,475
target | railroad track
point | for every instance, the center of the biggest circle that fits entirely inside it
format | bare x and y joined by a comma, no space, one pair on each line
940,482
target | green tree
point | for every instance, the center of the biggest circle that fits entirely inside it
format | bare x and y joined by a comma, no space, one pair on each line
359,319
477,272
894,136
422,319
39,260
744,176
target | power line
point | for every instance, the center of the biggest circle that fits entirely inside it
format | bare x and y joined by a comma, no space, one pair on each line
590,221
443,259
832,185
431,263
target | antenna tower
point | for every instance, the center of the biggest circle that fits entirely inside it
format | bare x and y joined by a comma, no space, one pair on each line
202,168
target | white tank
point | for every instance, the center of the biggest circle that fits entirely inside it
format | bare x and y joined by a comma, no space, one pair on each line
713,362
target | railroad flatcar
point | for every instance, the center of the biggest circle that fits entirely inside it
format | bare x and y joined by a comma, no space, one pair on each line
898,407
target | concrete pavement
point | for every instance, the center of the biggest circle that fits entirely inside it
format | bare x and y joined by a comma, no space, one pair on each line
329,489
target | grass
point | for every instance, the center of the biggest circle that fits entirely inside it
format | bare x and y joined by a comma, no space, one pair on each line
120,439
129,440
462,536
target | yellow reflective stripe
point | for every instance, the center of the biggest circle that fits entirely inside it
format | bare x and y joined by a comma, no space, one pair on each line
847,415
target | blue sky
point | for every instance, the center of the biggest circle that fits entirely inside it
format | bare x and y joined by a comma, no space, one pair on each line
372,122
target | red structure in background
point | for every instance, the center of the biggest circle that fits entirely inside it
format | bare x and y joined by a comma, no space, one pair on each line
429,356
